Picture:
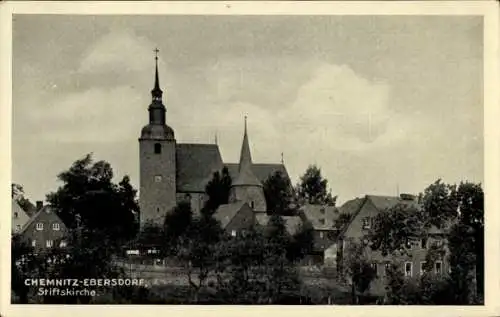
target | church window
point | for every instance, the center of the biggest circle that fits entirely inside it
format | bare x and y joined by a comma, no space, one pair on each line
157,148
252,204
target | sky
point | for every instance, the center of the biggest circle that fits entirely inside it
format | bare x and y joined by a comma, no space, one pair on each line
382,104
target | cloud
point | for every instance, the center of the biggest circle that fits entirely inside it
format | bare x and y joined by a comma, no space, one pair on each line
118,51
95,115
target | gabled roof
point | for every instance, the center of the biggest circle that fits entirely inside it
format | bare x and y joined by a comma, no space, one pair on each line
21,218
44,210
315,213
292,223
351,206
196,164
261,170
225,213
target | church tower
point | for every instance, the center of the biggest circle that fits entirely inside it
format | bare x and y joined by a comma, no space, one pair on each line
247,187
157,147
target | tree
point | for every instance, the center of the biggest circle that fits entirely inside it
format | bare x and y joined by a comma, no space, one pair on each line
217,191
357,268
197,250
176,224
281,274
395,228
278,193
312,188
301,243
17,193
89,194
23,265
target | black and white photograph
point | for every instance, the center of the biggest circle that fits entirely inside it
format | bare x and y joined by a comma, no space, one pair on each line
247,159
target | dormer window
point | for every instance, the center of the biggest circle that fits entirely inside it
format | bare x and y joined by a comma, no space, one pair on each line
157,148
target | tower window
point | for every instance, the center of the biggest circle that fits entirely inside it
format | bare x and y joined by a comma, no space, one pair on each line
157,148
158,210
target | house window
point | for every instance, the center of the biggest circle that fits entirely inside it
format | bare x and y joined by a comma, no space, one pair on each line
423,243
438,266
408,269
439,243
387,267
233,233
374,267
55,226
322,221
49,243
322,210
39,226
158,178
408,244
18,228
157,148
62,244
33,243
16,214
366,223
321,234
422,269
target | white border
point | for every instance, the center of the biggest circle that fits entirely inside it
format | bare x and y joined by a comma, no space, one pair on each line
487,9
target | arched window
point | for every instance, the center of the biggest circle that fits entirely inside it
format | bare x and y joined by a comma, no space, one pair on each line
157,148
252,204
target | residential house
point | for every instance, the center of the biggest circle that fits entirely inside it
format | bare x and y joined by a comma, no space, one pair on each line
44,230
322,218
235,217
19,217
361,222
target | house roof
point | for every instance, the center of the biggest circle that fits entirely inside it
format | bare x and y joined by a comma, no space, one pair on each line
22,217
196,164
261,170
315,213
225,213
292,223
47,210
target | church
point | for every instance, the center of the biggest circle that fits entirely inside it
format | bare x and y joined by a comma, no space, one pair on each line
171,172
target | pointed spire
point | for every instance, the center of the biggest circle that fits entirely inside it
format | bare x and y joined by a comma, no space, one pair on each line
156,93
245,173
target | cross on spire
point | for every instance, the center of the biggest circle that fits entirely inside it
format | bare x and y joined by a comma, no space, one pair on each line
156,92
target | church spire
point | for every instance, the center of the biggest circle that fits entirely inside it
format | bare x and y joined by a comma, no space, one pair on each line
156,93
245,173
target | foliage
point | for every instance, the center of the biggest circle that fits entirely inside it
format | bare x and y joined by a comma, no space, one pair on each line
88,194
394,228
312,188
197,249
17,193
279,194
357,268
217,191
301,243
176,224
23,265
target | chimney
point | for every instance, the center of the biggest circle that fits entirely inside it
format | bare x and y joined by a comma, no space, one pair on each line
39,205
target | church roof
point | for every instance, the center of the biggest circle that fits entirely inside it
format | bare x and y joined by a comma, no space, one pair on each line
196,164
262,170
245,172
292,223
